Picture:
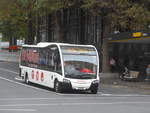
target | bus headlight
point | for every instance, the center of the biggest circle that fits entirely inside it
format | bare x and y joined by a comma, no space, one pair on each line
66,81
95,82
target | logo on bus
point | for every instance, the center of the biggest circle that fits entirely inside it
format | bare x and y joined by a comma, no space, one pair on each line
42,76
37,75
32,74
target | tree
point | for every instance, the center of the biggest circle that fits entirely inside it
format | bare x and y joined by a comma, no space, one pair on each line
12,22
22,15
120,15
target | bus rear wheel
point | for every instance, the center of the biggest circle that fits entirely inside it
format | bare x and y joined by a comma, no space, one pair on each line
26,79
57,87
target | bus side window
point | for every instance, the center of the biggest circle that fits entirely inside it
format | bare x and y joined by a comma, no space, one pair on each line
23,57
42,59
57,61
50,61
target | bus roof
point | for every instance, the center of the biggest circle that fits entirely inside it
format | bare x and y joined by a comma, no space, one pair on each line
45,44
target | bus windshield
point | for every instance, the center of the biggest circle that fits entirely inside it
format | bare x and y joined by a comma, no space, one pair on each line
79,62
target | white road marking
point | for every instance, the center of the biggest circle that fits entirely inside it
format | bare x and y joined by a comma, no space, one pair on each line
100,94
31,99
23,84
76,97
81,94
25,110
123,95
19,79
9,71
106,94
72,104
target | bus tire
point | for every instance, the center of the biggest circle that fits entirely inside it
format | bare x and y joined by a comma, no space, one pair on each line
94,91
26,79
19,72
57,87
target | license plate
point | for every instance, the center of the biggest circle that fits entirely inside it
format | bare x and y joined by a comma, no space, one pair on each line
81,88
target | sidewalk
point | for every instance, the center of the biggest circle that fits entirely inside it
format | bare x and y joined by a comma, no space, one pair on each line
112,79
9,56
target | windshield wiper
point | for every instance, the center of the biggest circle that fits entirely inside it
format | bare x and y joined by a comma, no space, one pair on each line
80,76
88,76
71,75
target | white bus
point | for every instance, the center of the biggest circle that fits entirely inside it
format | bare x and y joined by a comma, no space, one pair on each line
60,66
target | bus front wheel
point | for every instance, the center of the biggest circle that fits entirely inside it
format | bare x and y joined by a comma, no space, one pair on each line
57,87
94,91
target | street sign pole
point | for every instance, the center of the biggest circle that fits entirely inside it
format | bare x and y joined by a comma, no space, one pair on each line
0,41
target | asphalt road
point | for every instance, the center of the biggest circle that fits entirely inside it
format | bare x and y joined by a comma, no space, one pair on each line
17,97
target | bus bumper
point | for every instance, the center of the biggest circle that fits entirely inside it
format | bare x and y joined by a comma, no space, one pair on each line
79,87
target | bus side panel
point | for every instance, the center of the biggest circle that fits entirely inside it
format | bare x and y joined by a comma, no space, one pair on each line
42,65
41,77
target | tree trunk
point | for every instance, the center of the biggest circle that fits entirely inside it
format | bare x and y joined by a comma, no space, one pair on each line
31,30
59,27
105,51
105,62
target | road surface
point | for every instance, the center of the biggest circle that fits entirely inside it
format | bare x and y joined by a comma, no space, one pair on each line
17,97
